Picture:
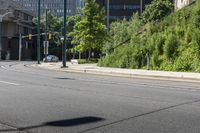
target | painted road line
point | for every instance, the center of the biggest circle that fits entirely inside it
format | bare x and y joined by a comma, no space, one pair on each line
10,83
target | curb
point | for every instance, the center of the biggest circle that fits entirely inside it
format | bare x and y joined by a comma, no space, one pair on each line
154,75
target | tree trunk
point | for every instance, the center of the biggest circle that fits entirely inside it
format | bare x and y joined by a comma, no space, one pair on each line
89,54
79,56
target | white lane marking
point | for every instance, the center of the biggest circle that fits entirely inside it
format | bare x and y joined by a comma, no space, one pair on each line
10,83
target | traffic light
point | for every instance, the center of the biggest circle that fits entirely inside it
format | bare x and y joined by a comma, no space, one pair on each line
30,36
50,35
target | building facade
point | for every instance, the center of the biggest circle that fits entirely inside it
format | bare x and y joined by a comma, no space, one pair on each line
120,9
56,6
19,21
79,4
182,3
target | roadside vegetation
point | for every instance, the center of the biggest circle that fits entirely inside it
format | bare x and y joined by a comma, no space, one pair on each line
158,39
171,40
87,30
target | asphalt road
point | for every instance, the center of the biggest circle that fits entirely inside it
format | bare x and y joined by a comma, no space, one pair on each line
43,101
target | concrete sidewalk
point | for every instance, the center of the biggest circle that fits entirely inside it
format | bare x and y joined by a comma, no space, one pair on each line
94,69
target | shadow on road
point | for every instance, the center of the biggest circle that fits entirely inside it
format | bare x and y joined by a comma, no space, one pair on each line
65,78
60,123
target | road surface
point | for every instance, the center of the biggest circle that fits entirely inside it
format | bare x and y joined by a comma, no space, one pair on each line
42,101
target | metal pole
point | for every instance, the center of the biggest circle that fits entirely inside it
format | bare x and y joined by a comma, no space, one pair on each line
65,32
108,14
0,39
38,34
20,46
141,7
46,38
148,60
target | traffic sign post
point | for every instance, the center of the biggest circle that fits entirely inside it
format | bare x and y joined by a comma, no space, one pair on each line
20,46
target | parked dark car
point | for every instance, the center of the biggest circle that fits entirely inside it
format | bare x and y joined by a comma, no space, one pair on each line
51,58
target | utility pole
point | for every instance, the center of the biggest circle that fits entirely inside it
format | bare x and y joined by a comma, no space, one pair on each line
108,14
38,36
65,32
46,38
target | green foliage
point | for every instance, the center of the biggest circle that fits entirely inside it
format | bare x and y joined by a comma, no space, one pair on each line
54,25
196,13
173,43
186,61
117,59
86,61
71,21
90,31
118,33
171,46
157,10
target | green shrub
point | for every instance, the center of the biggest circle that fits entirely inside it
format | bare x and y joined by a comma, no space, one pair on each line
86,61
173,43
186,61
171,46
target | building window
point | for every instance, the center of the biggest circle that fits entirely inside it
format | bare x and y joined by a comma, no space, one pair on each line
124,7
16,14
9,43
25,17
25,30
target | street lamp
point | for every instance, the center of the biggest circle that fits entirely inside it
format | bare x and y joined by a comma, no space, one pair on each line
1,20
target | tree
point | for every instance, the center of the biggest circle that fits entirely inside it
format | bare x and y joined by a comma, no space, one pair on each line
90,31
118,33
157,10
71,21
54,25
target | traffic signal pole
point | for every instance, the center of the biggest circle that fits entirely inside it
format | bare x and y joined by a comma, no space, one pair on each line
29,36
46,38
65,32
